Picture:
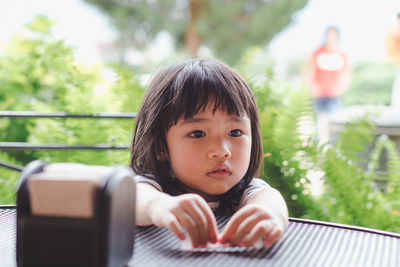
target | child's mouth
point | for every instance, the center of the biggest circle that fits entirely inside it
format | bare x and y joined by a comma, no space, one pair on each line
220,172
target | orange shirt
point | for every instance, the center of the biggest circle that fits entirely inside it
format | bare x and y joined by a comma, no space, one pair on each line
392,42
328,72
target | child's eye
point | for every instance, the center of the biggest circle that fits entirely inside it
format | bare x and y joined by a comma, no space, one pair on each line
197,134
235,133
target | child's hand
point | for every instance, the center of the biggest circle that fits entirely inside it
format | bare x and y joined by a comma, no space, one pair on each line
252,223
188,212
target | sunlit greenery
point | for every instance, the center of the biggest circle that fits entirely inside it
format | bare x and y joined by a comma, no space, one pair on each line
373,81
226,27
40,73
354,190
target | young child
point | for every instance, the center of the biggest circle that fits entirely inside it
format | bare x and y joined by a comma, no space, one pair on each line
196,149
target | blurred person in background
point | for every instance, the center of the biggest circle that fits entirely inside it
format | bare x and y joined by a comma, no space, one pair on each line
392,42
327,73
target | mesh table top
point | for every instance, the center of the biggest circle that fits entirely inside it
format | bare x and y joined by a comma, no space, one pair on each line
305,243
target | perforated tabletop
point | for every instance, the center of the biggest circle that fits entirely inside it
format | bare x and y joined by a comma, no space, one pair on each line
305,243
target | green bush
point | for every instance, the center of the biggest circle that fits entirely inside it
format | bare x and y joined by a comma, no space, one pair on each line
287,154
123,95
371,84
40,73
350,193
8,180
288,150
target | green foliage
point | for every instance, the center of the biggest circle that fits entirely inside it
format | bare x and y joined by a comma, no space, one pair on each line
141,21
356,138
389,196
8,180
285,115
351,192
285,154
122,94
227,27
349,166
371,84
35,70
256,68
127,93
40,73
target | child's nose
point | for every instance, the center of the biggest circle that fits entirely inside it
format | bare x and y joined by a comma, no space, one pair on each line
220,150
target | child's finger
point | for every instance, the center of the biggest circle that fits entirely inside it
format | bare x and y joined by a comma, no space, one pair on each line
211,222
196,213
244,229
174,225
273,236
234,222
190,225
261,230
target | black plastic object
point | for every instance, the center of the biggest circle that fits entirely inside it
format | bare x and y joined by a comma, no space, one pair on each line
107,239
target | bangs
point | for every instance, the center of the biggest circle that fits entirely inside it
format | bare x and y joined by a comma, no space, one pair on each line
200,86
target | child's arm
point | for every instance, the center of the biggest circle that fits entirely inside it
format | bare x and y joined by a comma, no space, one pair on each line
188,212
263,216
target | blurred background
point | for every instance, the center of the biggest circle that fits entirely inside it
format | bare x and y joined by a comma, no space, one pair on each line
145,34
92,56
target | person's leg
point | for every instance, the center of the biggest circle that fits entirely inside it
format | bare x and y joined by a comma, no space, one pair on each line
322,106
325,107
323,127
333,104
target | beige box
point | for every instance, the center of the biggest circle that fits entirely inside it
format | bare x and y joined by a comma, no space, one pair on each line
65,190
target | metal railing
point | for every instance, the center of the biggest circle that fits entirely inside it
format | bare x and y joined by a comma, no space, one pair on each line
25,146
35,114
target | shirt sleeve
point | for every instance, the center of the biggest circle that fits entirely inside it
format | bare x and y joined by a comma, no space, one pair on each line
146,180
255,185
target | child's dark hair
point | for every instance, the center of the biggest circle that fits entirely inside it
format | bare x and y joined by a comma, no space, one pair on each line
181,91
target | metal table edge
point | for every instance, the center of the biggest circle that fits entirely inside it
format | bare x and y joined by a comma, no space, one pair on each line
308,221
345,226
10,206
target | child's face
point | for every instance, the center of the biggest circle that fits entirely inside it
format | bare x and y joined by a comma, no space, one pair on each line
210,152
